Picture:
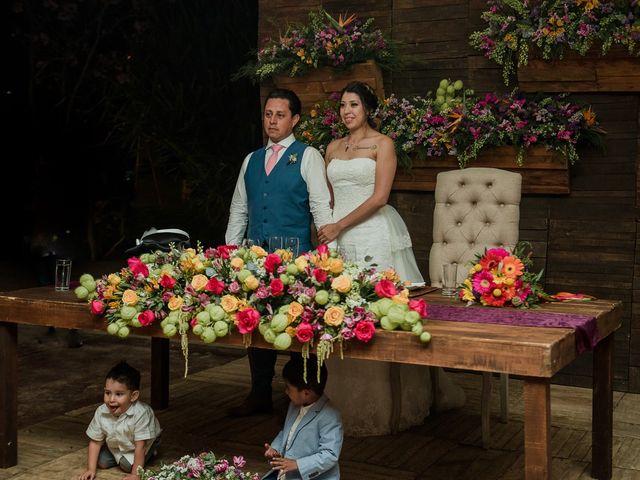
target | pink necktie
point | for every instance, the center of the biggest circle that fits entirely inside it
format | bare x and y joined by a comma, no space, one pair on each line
273,158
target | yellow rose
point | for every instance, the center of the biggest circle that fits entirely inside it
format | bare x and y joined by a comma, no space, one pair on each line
237,263
252,282
229,303
291,331
198,282
191,252
285,255
198,266
402,297
342,283
113,279
295,309
129,297
259,251
301,263
175,303
334,316
336,265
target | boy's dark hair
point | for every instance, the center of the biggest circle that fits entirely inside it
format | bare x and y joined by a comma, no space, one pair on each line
294,102
293,373
125,374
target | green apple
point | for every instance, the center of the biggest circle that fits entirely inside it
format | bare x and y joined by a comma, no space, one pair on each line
457,85
386,324
135,321
85,277
417,329
169,330
127,312
425,337
113,328
123,332
269,335
198,329
208,335
412,317
396,314
221,328
292,269
282,341
279,322
81,293
444,83
322,297
384,304
217,313
203,318
243,274
284,278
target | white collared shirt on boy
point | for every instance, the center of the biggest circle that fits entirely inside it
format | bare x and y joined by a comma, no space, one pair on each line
120,433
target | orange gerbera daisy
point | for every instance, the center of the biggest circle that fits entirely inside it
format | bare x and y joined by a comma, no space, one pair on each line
512,267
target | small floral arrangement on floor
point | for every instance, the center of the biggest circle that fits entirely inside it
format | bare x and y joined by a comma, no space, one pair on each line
204,466
421,127
500,278
323,41
555,27
317,298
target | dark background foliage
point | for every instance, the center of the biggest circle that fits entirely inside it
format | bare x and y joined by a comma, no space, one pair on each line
122,116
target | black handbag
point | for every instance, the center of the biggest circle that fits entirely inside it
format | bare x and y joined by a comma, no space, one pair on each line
153,240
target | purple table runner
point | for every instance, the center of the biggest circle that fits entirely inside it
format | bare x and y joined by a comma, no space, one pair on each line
586,326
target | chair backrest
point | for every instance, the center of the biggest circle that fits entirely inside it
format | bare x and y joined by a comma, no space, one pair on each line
476,208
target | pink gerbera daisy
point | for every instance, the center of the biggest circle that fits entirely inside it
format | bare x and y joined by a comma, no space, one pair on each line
483,282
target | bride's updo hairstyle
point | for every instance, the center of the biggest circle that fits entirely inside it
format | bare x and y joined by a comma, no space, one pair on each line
367,97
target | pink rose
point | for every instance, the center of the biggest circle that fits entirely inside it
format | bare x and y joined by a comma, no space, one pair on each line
420,306
247,320
323,250
214,286
167,281
385,288
224,251
138,267
304,333
97,307
271,262
277,287
146,318
365,331
320,275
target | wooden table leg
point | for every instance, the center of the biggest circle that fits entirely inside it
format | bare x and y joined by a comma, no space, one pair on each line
159,373
602,414
537,428
8,394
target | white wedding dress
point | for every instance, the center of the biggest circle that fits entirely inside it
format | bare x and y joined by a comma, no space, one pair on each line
362,389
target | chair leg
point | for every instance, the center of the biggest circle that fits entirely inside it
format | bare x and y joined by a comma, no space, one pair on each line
485,409
504,397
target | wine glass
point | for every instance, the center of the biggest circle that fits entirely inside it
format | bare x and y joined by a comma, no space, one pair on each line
275,243
293,244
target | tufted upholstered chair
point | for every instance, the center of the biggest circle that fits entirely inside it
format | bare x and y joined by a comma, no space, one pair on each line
476,208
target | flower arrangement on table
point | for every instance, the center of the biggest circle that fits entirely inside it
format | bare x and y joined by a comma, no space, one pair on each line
316,298
465,125
499,278
204,466
554,27
323,41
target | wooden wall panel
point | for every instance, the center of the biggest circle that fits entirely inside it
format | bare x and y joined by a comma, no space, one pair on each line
587,241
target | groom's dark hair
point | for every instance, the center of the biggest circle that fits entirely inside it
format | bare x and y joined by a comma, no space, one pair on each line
294,102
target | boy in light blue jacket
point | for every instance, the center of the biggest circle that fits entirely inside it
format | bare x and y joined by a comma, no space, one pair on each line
308,447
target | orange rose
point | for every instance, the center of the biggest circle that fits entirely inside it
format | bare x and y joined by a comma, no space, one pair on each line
229,303
295,309
336,265
175,303
198,282
129,297
259,251
108,292
291,331
334,316
342,283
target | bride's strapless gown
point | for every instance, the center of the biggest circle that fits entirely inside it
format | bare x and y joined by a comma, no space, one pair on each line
362,390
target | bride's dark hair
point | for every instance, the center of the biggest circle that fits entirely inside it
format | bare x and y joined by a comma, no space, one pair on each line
367,96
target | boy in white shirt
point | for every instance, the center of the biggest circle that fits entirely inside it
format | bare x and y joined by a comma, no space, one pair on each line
124,431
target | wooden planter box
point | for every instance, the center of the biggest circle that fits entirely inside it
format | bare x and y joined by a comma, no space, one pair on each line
544,171
317,85
617,71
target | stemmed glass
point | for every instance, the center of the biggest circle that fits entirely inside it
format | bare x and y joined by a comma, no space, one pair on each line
293,244
275,243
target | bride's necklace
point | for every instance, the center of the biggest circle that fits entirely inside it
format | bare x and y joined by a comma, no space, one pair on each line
353,146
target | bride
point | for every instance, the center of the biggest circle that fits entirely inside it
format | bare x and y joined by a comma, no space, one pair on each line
360,171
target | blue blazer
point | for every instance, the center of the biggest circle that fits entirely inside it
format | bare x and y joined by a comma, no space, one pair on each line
316,443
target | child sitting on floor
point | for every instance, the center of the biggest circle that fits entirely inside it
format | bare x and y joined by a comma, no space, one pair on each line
309,444
124,431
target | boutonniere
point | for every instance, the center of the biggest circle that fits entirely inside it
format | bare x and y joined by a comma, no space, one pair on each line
293,158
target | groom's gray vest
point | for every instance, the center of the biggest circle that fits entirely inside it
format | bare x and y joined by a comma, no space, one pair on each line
278,203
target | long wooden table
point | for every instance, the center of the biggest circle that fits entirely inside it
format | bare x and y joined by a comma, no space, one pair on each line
535,353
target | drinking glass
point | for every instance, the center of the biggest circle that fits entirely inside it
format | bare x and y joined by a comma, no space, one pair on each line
293,244
275,243
63,274
449,279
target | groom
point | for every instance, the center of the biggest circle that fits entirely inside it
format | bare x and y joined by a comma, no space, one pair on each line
280,191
